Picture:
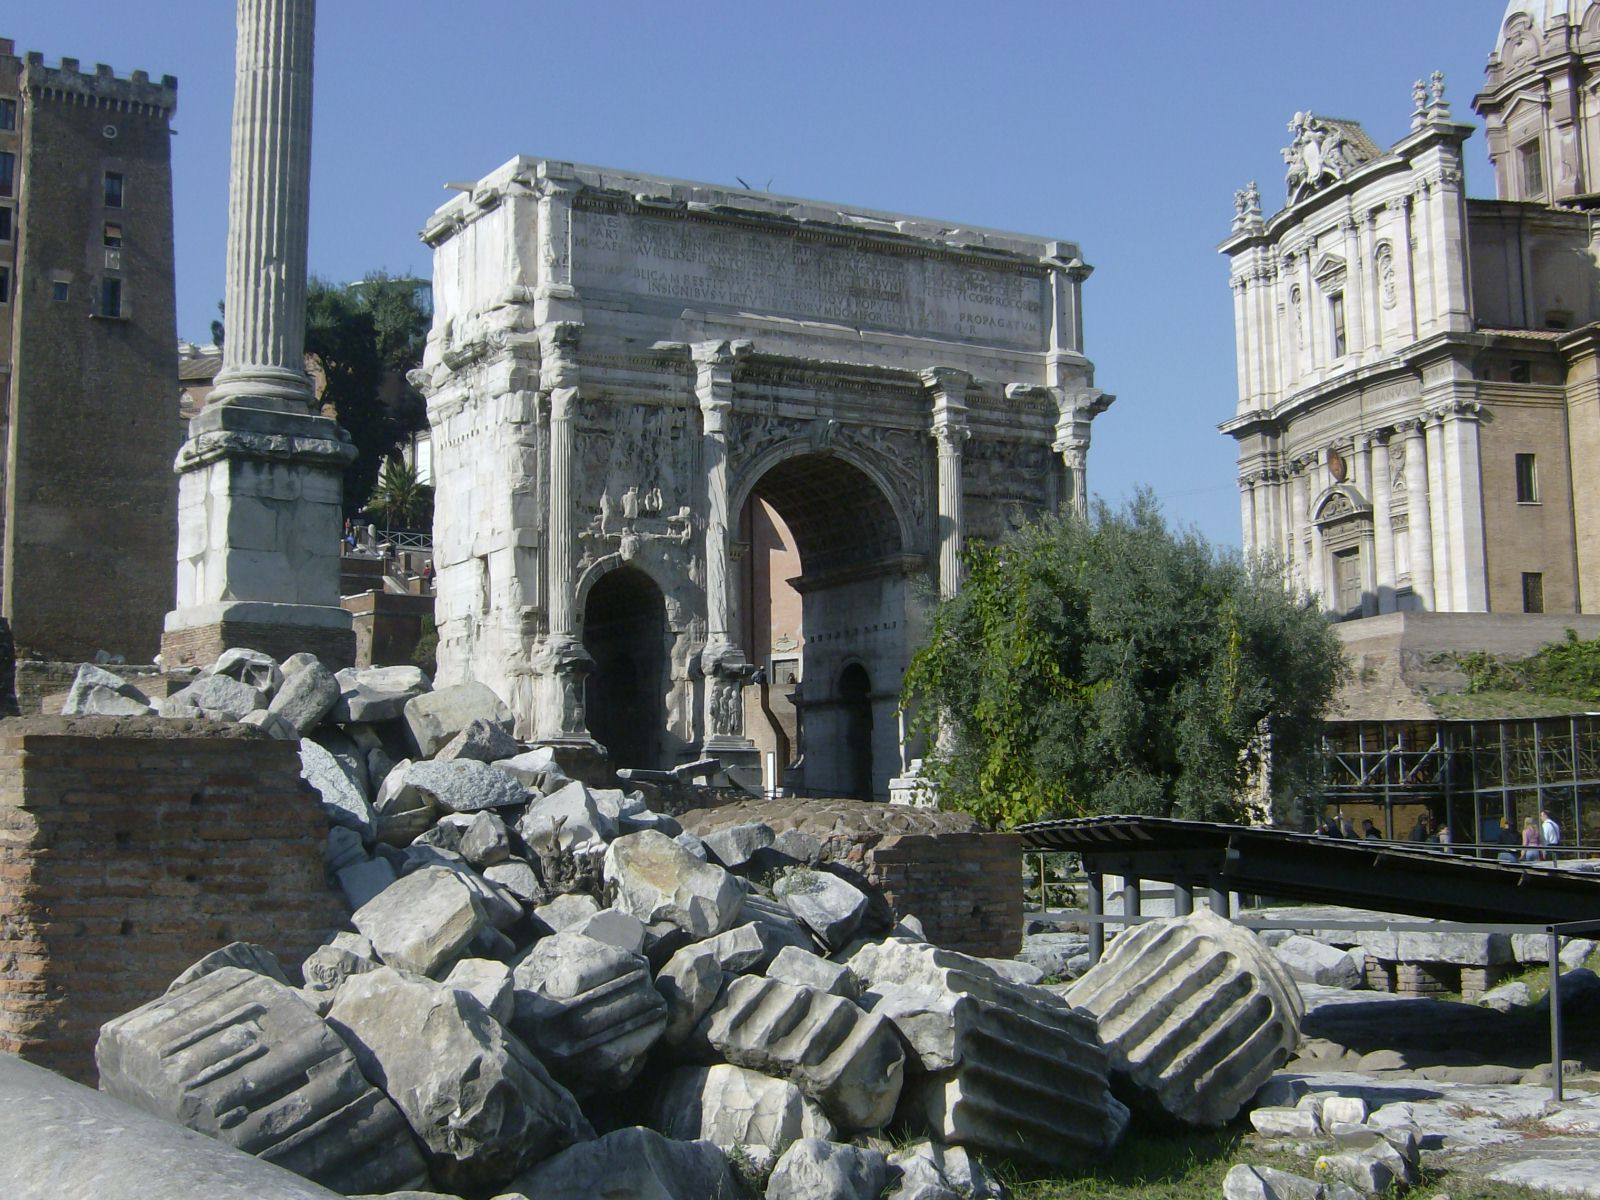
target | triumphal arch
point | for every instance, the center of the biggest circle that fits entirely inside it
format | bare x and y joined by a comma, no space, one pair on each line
693,447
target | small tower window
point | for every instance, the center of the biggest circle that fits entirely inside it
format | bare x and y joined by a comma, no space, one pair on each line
8,173
1527,479
1530,158
8,114
1336,322
1532,592
111,297
113,235
113,189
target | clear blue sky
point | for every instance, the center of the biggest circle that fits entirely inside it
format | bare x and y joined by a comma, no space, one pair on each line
1124,125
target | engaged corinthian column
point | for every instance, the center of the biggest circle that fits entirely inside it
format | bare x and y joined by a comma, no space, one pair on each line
260,478
949,389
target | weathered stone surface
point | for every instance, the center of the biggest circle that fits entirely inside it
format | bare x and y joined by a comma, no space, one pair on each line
465,785
731,1106
402,813
801,967
799,845
1344,1110
306,698
297,662
447,832
373,694
847,1060
421,922
588,1010
271,724
1370,1174
778,926
690,983
814,1168
827,905
343,848
1299,1123
487,981
535,768
433,718
326,967
1053,953
361,881
483,741
633,1162
997,1065
1244,1182
1507,996
1310,961
483,1106
615,928
485,841
567,912
250,667
569,819
734,846
96,692
62,1141
1014,970
242,1058
740,949
1196,1014
518,878
500,908
245,955
1446,946
343,801
658,880
929,1171
218,696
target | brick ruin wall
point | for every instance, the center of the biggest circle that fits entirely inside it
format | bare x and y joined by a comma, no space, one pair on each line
129,848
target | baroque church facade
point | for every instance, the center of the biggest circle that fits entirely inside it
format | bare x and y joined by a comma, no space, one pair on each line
1418,417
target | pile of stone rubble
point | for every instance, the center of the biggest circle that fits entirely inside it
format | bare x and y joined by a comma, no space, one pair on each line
547,986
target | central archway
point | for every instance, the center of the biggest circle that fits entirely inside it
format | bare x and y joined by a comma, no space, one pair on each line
824,608
625,632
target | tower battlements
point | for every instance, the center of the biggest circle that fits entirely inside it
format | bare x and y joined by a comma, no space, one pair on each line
101,88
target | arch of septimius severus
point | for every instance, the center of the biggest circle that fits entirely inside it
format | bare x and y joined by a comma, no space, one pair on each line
635,382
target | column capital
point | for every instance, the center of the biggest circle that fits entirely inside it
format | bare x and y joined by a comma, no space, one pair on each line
558,355
949,387
713,384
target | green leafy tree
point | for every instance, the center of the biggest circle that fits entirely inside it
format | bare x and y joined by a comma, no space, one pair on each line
404,501
1114,665
364,338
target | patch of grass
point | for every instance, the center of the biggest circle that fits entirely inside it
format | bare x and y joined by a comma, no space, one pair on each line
1151,1165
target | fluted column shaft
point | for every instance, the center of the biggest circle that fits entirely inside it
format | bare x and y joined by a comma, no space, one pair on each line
714,391
950,439
562,578
1419,520
1383,525
269,197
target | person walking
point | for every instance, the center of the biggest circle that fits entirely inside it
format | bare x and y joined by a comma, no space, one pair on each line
1531,841
1549,831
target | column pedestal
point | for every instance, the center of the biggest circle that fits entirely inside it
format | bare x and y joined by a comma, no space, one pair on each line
258,537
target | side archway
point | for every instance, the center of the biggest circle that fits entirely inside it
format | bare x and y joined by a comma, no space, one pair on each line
625,632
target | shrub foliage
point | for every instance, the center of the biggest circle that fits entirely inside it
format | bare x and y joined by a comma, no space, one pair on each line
1114,665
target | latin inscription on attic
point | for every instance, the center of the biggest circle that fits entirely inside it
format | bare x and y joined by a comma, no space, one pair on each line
715,265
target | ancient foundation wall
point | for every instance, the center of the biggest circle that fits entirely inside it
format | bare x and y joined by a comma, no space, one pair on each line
129,847
965,888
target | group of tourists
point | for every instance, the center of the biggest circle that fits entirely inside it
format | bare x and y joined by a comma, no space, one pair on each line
1534,845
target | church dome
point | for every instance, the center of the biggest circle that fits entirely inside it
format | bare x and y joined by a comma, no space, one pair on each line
1522,28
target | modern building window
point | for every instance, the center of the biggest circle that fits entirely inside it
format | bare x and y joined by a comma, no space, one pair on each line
8,114
113,189
5,223
1532,592
1531,161
113,235
60,291
5,285
111,297
1336,322
8,173
1527,479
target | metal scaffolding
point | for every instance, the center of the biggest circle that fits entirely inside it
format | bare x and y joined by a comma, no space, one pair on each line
1479,778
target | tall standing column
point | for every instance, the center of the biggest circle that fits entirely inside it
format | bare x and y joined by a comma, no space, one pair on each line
269,198
1075,411
1383,523
1247,514
1439,517
1419,521
1469,582
950,434
722,661
260,479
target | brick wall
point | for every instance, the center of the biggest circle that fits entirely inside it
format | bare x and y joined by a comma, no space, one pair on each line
129,847
965,888
200,645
